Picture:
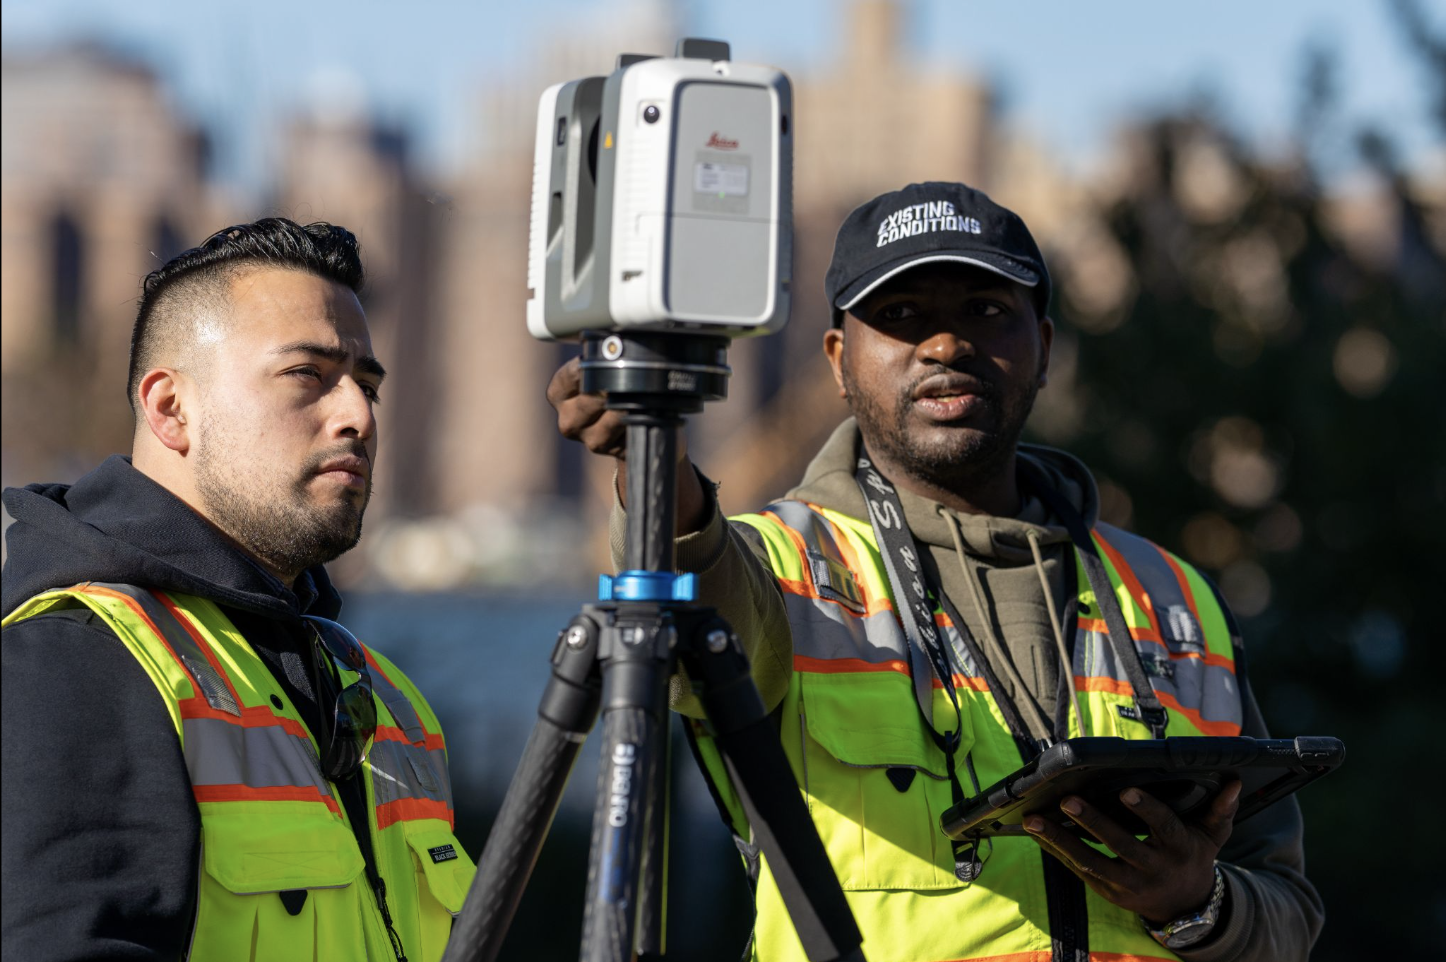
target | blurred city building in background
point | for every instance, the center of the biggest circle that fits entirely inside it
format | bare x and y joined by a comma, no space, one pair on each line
1250,356
104,180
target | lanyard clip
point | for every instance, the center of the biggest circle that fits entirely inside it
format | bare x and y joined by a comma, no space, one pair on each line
1155,718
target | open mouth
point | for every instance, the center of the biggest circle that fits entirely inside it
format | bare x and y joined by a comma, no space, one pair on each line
949,397
949,407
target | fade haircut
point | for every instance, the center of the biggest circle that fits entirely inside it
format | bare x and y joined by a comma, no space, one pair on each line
197,281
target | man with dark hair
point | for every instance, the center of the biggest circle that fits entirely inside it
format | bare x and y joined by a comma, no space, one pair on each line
197,758
925,512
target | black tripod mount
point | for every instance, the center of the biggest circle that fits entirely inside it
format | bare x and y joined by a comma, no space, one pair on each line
616,656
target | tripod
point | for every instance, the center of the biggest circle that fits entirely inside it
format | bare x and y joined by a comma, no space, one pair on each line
616,657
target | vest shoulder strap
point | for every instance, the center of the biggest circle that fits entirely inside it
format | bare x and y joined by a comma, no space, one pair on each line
1177,602
150,626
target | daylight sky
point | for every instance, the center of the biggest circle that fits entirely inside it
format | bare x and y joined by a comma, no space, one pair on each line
1068,72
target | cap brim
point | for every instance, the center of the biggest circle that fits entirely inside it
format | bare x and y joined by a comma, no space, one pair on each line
1007,268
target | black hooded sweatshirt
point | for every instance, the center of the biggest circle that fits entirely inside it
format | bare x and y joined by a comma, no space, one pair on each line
101,834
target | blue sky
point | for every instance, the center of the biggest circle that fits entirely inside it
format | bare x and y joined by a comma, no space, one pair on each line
1068,72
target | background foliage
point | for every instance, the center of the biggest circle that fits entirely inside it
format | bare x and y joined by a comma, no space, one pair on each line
1269,404
1266,401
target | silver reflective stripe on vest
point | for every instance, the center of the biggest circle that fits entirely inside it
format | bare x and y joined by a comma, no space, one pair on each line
400,771
822,629
833,626
217,695
1178,624
1212,690
400,706
965,661
262,756
1209,689
826,630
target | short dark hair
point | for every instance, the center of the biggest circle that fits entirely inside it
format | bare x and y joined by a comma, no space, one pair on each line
203,272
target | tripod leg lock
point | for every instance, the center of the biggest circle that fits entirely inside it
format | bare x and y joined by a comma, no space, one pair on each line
570,700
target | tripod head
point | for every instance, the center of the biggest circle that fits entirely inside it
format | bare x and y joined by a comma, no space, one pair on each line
650,372
654,379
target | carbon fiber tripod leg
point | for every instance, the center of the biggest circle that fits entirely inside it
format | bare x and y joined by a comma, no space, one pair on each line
566,714
768,790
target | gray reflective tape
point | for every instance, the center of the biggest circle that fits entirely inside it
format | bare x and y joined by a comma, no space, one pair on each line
400,770
212,687
802,519
400,707
264,756
425,777
1172,610
1178,623
822,629
1212,690
961,652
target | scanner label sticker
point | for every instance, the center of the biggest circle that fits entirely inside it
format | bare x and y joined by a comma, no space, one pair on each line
724,180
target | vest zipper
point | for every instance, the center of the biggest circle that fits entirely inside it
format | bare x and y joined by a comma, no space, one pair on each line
373,874
379,886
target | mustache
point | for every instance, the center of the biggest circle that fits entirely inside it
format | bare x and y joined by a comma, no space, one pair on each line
354,449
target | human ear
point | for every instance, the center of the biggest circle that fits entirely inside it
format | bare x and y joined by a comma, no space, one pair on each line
833,342
1046,340
159,395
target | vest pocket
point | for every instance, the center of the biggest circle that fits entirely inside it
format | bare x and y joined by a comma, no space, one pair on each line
248,860
857,726
444,874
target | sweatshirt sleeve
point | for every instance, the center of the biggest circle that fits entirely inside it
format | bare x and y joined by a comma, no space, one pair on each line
101,834
1272,912
733,577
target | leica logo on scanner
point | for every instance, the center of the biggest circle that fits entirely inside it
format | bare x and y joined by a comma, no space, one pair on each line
719,142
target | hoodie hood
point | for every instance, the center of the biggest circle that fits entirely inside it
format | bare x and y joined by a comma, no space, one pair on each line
1004,575
115,524
829,482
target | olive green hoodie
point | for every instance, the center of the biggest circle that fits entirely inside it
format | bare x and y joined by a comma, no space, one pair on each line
1273,914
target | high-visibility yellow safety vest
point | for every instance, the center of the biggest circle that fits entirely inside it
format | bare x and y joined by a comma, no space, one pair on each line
270,820
850,715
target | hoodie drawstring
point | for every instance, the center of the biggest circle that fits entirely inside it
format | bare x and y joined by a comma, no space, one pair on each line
997,654
1064,661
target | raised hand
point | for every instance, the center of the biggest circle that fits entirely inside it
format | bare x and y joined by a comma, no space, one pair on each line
584,417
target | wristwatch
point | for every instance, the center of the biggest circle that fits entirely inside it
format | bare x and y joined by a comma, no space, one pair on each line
1189,929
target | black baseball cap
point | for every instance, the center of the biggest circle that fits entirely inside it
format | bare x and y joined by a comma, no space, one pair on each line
924,224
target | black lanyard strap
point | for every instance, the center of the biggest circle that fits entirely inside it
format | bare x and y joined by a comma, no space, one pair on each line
910,589
927,658
1152,713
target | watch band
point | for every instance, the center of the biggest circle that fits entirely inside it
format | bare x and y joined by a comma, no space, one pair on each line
1189,929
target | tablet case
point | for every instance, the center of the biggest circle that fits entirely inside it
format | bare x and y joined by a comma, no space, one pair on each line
1184,773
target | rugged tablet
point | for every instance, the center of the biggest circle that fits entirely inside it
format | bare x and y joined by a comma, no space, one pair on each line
1184,773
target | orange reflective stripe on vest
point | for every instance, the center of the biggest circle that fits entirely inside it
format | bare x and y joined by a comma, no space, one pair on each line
270,821
233,754
409,764
849,721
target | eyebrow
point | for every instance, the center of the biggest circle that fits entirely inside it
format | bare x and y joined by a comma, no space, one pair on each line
339,355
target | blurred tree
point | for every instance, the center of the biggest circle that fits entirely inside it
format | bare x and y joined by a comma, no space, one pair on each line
1260,387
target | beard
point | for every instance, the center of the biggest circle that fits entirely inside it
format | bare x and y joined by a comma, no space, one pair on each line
274,519
948,456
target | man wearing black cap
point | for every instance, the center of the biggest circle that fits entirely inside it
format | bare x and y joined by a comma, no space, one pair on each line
936,602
